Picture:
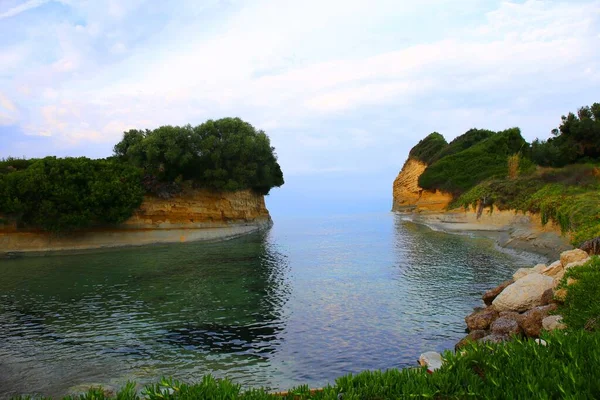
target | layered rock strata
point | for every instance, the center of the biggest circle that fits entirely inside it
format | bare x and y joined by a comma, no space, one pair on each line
189,216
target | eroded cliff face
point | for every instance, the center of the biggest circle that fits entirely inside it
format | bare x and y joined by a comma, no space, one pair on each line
191,215
199,209
408,196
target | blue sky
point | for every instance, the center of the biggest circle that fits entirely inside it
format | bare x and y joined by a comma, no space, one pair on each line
344,88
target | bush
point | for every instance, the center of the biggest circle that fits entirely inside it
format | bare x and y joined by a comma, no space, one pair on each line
464,141
577,139
428,148
226,154
65,194
456,173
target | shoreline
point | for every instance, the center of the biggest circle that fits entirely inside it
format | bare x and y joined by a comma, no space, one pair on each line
508,229
18,244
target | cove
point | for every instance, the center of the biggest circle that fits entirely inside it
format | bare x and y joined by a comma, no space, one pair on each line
302,303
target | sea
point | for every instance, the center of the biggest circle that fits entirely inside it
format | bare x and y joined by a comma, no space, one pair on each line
302,303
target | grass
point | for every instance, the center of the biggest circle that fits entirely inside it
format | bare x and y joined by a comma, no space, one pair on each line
568,196
581,310
568,367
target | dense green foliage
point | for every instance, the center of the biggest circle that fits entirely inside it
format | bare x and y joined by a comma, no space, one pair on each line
12,164
463,142
581,309
576,140
70,193
226,154
428,148
461,171
521,369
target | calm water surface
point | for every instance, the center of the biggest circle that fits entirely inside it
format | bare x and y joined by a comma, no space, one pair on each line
305,302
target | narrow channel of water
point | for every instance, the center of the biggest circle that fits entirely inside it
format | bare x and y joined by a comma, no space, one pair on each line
303,303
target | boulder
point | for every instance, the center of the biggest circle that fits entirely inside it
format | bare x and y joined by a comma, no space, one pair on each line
577,263
553,322
523,294
481,320
531,321
539,268
521,272
557,278
505,326
491,294
494,338
553,269
571,256
473,336
431,359
592,247
509,314
547,297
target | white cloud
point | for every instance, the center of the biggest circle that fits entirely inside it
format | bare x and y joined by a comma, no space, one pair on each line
289,65
28,5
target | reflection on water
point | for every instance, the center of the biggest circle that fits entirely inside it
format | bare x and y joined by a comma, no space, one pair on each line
306,302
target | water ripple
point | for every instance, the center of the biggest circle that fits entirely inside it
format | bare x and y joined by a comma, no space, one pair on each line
306,302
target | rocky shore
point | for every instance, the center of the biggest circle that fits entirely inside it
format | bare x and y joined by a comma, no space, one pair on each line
523,306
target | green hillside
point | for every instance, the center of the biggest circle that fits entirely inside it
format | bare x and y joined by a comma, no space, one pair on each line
558,178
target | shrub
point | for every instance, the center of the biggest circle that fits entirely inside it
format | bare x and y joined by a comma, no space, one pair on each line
71,193
463,142
461,171
428,148
226,154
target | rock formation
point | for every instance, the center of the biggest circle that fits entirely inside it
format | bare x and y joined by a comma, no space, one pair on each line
408,196
188,216
523,306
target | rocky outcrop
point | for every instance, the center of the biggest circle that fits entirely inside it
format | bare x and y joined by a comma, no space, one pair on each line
522,231
188,216
523,306
524,294
408,196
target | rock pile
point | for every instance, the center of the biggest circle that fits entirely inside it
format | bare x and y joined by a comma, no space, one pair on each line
523,305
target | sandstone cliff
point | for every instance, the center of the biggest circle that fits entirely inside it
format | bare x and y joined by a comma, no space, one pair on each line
408,196
523,231
192,215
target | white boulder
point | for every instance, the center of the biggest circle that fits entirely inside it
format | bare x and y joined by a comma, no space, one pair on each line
523,294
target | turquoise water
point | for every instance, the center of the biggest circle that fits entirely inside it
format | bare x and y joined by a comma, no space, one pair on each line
303,303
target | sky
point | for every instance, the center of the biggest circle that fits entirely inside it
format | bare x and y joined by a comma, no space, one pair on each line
344,88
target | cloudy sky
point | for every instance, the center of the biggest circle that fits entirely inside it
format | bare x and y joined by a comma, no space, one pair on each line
344,88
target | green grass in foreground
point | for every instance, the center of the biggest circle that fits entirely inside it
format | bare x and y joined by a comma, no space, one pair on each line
582,308
568,367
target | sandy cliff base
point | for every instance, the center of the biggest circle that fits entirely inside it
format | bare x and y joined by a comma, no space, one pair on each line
509,229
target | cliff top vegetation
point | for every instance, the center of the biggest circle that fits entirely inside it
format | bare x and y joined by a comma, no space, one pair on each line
558,178
63,194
